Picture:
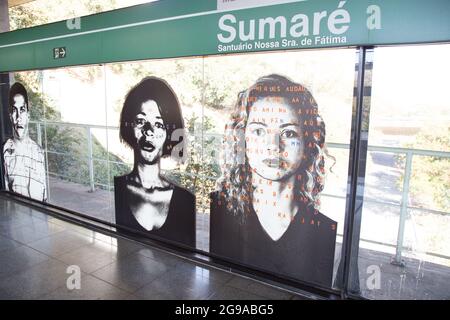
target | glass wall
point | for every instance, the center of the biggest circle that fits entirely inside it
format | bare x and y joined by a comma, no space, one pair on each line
404,242
329,77
236,112
76,116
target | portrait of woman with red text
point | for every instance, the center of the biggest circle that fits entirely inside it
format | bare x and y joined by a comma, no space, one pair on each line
265,211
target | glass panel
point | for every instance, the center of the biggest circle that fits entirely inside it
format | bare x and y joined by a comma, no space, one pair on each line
384,171
74,137
175,88
24,158
404,247
251,237
80,136
76,95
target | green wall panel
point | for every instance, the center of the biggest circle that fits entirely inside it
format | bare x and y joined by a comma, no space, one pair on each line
191,28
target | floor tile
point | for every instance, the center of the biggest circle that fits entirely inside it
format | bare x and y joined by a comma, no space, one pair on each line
94,256
8,244
175,285
158,255
35,281
60,243
230,293
10,223
258,288
298,297
131,273
33,232
72,227
91,288
127,245
36,249
190,269
20,258
40,215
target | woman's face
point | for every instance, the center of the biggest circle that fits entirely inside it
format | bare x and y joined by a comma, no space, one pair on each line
150,132
274,143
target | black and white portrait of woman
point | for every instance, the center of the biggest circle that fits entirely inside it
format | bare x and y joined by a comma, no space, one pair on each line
265,212
152,125
23,159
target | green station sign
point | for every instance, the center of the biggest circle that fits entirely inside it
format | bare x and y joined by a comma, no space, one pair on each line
178,28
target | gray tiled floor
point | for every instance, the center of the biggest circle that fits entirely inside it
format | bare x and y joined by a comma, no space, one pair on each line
36,250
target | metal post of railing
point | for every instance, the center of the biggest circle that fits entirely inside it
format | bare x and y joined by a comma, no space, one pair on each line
397,260
90,160
39,134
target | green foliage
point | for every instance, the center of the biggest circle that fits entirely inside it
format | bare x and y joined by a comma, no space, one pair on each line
22,17
34,13
215,94
430,177
202,170
36,100
98,6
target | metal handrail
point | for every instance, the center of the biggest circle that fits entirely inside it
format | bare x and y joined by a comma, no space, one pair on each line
404,207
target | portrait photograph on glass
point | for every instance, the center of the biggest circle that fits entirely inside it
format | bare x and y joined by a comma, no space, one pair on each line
265,210
151,124
23,158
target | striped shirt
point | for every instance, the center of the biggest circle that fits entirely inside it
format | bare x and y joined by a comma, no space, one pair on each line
25,168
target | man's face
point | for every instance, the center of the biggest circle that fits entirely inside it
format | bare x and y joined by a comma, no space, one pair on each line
19,117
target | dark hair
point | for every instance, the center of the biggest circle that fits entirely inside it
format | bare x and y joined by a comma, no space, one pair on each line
158,90
235,186
17,88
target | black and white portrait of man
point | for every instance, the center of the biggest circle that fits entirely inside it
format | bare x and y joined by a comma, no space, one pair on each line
24,163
